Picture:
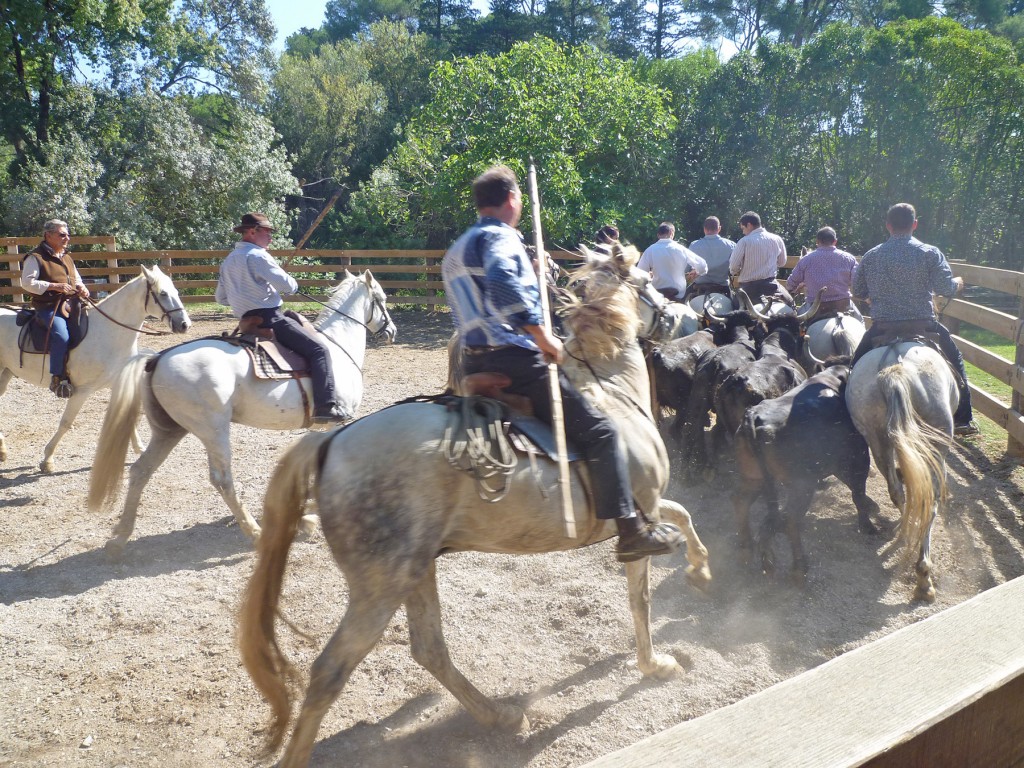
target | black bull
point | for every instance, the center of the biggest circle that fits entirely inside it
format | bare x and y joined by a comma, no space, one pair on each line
796,440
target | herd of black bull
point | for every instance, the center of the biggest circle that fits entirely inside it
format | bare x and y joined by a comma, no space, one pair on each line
787,429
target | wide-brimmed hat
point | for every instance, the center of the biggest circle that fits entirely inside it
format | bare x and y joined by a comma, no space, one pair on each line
251,220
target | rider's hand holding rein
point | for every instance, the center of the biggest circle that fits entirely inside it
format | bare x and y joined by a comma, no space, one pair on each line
549,344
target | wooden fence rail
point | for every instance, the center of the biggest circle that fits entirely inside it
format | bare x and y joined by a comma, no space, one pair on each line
414,278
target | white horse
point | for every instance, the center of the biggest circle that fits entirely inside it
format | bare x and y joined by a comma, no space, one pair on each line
205,386
112,339
902,398
390,503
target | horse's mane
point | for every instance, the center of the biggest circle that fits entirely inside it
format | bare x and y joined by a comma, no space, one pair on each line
605,320
338,294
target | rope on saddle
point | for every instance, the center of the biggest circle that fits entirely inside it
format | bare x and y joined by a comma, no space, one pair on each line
475,442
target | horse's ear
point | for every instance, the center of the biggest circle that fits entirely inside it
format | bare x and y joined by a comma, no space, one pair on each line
147,273
367,278
348,275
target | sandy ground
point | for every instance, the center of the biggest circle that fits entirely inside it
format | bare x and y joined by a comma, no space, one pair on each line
134,663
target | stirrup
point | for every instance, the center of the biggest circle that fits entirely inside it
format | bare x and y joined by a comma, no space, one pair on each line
61,387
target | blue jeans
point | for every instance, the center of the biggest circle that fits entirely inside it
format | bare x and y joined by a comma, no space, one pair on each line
60,337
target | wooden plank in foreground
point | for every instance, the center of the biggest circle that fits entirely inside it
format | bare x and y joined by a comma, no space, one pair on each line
947,691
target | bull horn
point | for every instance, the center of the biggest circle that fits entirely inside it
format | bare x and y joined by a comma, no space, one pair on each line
709,312
816,361
809,314
745,300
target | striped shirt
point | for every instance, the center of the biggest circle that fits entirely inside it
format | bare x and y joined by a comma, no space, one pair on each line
716,251
758,256
900,276
491,285
250,278
827,267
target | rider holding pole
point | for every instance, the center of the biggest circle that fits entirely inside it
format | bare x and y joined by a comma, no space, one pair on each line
494,294
48,273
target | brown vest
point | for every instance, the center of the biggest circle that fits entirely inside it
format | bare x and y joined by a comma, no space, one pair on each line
53,270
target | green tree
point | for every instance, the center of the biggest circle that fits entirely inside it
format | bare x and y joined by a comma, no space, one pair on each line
600,138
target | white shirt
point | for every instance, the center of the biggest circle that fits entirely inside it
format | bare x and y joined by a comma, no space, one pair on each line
668,262
250,278
758,256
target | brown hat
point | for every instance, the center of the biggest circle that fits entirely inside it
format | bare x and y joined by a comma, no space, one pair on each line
251,220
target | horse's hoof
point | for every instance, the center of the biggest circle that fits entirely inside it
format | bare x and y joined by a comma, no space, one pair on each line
46,466
925,593
699,576
663,667
307,527
114,549
512,719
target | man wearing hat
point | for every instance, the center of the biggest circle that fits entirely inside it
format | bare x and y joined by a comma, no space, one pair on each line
251,283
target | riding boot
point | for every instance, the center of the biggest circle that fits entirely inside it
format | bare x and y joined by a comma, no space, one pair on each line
639,539
61,387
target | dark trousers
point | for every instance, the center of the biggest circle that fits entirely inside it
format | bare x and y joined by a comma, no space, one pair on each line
588,429
60,337
758,289
291,334
964,412
699,289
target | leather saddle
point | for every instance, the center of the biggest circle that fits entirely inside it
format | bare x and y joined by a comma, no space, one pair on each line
525,432
34,337
270,359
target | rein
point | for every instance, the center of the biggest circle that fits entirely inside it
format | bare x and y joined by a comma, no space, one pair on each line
149,332
376,303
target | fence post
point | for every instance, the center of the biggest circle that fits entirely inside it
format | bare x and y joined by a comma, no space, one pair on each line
113,277
16,296
1014,447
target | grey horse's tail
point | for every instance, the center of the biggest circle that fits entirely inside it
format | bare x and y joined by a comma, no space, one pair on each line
916,445
287,492
107,474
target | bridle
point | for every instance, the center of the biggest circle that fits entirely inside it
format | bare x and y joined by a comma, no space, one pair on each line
379,310
144,329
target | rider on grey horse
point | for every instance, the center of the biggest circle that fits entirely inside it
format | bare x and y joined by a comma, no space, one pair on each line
495,300
251,283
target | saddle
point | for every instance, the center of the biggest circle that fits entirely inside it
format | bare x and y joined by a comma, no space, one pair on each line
897,331
34,337
270,360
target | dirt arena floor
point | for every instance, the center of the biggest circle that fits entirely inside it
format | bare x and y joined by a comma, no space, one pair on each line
134,663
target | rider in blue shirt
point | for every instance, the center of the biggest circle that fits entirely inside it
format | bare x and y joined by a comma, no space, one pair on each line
495,298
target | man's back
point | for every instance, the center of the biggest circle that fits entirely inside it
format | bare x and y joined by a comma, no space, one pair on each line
899,277
715,250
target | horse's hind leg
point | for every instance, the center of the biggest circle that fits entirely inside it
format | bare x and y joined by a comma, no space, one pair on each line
160,445
697,572
75,403
365,620
925,589
218,450
5,377
426,641
660,666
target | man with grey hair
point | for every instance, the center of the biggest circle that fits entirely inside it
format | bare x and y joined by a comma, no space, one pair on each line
49,274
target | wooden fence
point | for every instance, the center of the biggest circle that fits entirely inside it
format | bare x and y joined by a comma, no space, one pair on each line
414,278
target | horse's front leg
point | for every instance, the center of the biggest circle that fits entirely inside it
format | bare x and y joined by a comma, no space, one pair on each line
67,419
697,572
218,450
5,377
426,641
925,589
660,666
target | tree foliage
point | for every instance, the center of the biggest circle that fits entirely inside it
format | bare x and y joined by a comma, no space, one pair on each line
600,139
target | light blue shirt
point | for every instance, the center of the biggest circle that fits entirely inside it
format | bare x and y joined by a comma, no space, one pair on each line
491,286
250,278
715,250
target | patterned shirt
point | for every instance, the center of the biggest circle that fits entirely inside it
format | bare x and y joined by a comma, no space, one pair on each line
900,276
250,278
758,256
668,262
826,267
491,285
716,251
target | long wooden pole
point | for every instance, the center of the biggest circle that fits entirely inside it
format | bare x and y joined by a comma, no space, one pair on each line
557,419
312,227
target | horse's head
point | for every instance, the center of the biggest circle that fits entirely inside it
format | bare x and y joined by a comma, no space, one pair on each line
379,321
603,314
359,298
164,296
616,266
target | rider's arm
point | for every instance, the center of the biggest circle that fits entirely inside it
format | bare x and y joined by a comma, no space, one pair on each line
30,277
513,295
263,266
